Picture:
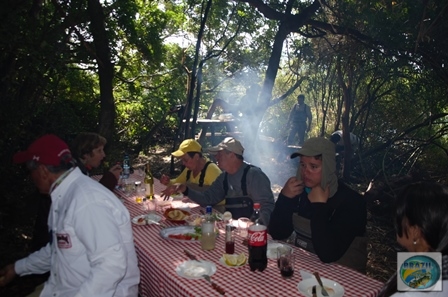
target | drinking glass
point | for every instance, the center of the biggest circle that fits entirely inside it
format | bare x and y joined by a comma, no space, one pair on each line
128,185
243,226
285,260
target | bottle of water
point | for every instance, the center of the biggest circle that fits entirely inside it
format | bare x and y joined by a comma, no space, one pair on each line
208,236
126,166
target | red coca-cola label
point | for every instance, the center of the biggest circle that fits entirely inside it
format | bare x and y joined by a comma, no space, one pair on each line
257,235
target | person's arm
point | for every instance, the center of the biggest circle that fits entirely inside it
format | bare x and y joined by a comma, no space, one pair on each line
309,117
97,228
212,196
181,178
109,180
281,225
291,115
259,189
333,229
37,263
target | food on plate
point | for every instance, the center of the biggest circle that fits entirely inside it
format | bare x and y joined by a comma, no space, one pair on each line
195,271
185,236
235,260
176,214
194,220
141,220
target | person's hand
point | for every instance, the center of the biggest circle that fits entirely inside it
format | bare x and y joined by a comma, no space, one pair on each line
165,179
116,170
7,274
317,194
293,187
173,189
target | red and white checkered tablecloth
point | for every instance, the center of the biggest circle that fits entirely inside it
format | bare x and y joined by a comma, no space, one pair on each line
158,259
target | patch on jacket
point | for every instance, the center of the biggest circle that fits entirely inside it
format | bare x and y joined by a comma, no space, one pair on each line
64,241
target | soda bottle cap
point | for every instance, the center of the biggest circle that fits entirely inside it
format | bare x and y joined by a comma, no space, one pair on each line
257,205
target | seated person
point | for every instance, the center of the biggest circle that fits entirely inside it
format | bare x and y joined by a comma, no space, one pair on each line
337,138
88,151
199,172
329,218
421,223
240,179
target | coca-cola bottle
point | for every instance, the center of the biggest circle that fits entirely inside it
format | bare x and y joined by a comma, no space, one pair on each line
256,218
257,241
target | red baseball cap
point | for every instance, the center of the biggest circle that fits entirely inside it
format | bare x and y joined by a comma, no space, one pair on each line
46,150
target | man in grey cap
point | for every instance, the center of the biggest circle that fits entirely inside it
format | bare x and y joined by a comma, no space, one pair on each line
239,179
327,217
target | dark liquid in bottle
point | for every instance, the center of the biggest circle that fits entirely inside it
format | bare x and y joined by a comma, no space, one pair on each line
230,247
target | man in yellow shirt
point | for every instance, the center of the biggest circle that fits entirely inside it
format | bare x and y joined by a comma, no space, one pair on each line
199,172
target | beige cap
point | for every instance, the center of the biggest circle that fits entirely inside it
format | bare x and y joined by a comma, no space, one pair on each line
230,144
316,146
187,146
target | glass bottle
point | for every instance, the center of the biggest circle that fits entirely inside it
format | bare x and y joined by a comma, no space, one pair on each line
230,241
149,183
256,218
208,236
126,166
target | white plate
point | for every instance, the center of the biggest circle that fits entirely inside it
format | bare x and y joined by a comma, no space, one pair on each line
223,262
271,251
152,216
194,269
177,230
333,288
183,205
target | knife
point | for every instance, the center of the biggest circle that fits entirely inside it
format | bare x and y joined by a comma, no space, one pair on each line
214,286
191,256
323,291
313,291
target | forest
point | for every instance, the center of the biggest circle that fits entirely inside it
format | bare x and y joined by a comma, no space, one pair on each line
137,71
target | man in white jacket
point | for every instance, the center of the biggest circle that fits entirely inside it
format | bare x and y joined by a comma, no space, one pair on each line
91,251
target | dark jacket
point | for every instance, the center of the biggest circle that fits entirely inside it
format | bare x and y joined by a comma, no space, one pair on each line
334,225
108,180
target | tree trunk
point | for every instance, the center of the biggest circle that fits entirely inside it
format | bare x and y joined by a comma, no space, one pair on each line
105,69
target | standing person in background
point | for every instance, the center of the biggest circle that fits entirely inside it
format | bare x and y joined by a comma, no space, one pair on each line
199,172
88,151
91,252
300,119
421,224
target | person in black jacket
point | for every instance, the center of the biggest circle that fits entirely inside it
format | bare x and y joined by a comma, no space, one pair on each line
327,217
88,151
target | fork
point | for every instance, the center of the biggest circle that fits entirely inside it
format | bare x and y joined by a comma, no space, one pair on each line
214,286
323,291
